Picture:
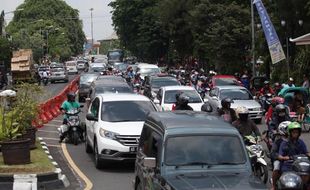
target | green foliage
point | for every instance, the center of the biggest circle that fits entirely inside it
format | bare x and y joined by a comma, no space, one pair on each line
105,46
49,23
5,51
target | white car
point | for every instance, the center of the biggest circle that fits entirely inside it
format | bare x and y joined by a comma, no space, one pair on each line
71,67
165,98
146,69
113,126
240,96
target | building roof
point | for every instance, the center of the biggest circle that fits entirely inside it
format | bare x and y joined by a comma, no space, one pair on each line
302,40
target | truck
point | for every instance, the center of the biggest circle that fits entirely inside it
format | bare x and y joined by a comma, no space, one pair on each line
116,55
22,66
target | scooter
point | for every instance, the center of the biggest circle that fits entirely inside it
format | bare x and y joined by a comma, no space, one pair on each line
257,155
72,130
45,81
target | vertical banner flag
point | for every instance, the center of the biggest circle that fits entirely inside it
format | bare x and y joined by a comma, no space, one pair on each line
274,45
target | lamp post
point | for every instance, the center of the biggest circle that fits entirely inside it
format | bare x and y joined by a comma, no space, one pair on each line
253,38
92,29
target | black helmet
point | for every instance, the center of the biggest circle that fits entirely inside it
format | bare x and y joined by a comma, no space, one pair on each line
177,96
301,167
280,108
225,102
206,107
183,99
290,181
71,97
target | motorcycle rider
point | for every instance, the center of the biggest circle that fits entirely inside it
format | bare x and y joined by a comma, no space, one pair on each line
182,103
44,75
280,115
277,88
226,112
274,153
68,105
292,147
245,126
266,89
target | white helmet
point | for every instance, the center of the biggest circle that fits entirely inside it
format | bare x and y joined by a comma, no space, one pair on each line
241,110
282,129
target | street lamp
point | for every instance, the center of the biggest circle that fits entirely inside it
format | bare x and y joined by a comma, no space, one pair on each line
253,37
92,29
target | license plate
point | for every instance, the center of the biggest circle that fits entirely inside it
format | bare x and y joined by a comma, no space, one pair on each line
133,149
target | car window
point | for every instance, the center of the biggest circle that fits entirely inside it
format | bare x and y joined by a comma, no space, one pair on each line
150,143
157,83
120,111
235,94
225,81
149,71
112,89
214,92
70,64
57,69
94,109
87,78
192,94
212,152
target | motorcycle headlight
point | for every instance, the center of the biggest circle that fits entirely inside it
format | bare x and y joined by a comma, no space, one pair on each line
107,134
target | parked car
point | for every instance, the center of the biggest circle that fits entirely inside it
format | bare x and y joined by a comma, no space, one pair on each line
240,96
113,126
224,80
58,74
165,97
185,150
71,67
84,85
147,69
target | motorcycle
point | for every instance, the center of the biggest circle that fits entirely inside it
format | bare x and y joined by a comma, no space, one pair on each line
72,130
45,81
257,155
265,101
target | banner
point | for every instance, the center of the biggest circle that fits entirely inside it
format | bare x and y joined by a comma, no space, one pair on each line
274,45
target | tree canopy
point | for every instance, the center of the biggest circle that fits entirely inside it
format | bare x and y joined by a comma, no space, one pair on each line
47,25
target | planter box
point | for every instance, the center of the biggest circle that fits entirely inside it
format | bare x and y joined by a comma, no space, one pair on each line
16,151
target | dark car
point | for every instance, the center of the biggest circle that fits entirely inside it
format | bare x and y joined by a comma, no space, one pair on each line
84,86
156,82
185,150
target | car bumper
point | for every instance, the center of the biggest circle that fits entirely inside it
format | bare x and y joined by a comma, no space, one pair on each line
54,78
113,150
256,114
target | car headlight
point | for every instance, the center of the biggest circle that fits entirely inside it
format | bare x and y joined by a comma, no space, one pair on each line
107,134
257,109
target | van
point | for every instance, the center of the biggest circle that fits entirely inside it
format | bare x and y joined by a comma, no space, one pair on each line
71,67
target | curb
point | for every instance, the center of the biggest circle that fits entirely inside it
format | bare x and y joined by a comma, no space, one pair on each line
50,180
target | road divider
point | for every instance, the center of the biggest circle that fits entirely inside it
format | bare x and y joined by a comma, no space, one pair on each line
50,109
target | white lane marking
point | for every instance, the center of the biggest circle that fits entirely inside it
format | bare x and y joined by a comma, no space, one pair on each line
48,138
53,145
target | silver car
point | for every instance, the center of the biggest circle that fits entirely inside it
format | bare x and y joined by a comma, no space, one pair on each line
58,74
240,96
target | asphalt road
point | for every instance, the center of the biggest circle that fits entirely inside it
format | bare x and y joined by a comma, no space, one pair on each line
117,175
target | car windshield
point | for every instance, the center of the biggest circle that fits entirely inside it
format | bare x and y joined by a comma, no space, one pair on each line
87,78
192,94
113,89
43,68
225,81
149,71
100,60
121,67
71,63
236,94
57,69
97,69
176,154
120,111
157,83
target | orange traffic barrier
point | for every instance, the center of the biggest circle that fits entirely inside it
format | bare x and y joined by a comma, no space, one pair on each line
53,108
42,115
47,109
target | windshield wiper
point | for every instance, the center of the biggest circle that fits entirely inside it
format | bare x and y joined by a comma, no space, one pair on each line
195,164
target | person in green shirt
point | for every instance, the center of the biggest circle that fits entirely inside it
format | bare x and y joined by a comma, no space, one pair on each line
68,105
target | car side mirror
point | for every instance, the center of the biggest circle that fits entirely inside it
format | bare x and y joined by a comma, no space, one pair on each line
91,117
156,101
149,162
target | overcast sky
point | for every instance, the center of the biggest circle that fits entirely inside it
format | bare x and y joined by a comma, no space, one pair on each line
101,15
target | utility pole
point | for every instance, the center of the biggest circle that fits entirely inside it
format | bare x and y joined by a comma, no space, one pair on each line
92,29
253,38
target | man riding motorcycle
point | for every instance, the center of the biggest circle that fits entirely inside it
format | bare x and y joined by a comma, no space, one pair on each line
245,126
65,107
182,103
266,89
278,116
274,153
226,112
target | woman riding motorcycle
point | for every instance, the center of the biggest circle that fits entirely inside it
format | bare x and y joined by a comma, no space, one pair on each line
226,112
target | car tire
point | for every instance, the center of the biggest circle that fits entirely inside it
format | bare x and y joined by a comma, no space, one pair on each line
98,161
88,148
258,121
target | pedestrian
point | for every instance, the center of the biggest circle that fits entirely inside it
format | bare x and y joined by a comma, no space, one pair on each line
290,83
305,84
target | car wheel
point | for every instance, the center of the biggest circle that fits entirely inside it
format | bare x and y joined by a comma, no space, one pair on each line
88,148
98,162
258,121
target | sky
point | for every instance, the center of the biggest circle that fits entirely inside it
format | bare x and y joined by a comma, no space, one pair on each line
102,18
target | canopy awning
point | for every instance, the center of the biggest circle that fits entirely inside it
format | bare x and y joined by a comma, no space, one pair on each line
302,40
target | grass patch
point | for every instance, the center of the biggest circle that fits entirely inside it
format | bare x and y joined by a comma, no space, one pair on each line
40,163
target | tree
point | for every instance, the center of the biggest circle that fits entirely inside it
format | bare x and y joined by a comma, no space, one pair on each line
52,18
5,52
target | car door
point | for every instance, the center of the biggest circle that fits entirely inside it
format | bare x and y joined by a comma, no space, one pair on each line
91,125
150,146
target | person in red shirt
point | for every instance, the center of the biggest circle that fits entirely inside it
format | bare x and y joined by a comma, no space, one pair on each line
266,89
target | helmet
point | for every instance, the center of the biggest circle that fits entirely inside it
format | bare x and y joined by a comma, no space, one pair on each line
290,180
292,126
291,79
266,82
71,96
301,167
277,84
280,108
277,100
282,129
242,113
225,102
183,99
177,96
206,107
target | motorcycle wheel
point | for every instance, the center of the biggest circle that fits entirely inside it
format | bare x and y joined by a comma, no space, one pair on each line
261,171
75,137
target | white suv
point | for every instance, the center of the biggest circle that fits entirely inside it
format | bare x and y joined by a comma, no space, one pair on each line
113,126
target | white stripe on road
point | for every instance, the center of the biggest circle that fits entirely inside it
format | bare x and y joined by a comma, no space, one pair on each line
53,145
48,138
